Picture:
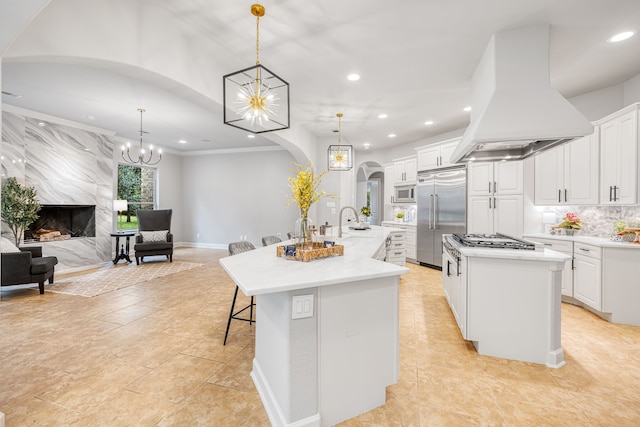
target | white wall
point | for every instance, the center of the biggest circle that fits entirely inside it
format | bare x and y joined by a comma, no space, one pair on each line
225,196
632,90
600,103
170,192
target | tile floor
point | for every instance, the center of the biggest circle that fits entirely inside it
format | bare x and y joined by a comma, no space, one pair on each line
151,354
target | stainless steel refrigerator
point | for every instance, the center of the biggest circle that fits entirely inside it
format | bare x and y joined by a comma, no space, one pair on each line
442,209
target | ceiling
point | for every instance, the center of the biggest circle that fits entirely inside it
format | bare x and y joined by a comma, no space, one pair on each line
415,57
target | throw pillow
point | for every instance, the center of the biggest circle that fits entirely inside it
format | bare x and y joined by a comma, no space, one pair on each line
154,236
7,246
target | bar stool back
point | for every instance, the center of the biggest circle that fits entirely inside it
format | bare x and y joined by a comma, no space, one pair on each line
234,249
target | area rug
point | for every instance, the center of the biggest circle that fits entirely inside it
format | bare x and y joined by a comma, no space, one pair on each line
113,277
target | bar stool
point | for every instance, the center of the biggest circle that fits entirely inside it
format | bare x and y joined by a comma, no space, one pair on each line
270,240
234,249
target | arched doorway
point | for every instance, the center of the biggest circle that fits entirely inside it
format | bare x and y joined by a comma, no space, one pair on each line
370,190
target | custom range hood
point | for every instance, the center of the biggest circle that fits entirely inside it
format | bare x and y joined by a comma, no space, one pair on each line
516,113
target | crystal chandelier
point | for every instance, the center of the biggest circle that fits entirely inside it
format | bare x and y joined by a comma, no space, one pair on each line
255,99
340,157
142,157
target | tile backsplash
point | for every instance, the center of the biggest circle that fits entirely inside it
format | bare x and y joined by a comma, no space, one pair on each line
598,220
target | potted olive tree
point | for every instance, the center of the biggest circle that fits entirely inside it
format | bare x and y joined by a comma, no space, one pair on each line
19,207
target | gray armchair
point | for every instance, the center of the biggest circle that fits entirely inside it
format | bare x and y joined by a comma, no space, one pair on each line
27,266
154,236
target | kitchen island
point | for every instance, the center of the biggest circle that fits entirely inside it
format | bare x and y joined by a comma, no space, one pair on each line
507,302
335,361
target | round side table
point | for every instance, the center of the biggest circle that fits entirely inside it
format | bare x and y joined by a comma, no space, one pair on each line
124,248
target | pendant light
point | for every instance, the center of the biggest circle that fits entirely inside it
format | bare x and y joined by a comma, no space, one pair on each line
141,159
340,157
255,99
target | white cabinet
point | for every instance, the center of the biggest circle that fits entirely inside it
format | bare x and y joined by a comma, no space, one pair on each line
499,214
588,274
410,238
396,253
437,155
495,202
389,184
455,290
405,170
619,157
568,174
491,178
565,247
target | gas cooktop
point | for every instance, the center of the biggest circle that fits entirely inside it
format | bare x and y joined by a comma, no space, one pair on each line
498,241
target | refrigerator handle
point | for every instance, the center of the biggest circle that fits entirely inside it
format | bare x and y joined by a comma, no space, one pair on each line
430,211
435,210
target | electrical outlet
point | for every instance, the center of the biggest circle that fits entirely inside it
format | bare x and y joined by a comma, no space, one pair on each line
302,306
333,211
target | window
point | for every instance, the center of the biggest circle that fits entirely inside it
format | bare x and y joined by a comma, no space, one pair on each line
136,185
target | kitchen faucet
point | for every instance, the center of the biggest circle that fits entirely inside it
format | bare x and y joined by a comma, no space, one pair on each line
340,219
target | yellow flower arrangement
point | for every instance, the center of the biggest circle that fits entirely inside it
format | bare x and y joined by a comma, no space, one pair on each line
304,188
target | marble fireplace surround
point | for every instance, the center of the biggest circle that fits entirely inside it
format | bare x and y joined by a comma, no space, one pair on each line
68,166
77,221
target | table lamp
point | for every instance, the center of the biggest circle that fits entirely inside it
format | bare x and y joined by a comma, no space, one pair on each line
119,206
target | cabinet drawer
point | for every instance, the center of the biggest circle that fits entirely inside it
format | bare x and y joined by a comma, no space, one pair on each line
556,245
396,253
587,250
397,239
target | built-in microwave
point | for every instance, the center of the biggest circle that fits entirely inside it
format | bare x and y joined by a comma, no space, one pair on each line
405,194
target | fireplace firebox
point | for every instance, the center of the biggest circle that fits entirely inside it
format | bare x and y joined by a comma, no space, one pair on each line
60,222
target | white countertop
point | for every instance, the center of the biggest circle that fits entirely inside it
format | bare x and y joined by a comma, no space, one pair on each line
394,223
546,255
595,241
261,272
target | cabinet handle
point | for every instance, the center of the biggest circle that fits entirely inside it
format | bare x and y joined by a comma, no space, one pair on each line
573,265
559,196
610,192
489,187
615,193
494,188
565,195
586,250
448,268
489,202
547,244
494,203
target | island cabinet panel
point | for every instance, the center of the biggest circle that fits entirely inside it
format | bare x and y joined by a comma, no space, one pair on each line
335,363
565,247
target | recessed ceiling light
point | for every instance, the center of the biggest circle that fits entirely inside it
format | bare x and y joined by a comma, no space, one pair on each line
182,141
429,122
366,145
392,135
251,136
467,109
382,116
621,36
353,77
42,124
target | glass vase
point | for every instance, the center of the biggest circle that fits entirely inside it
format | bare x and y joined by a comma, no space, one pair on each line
304,233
